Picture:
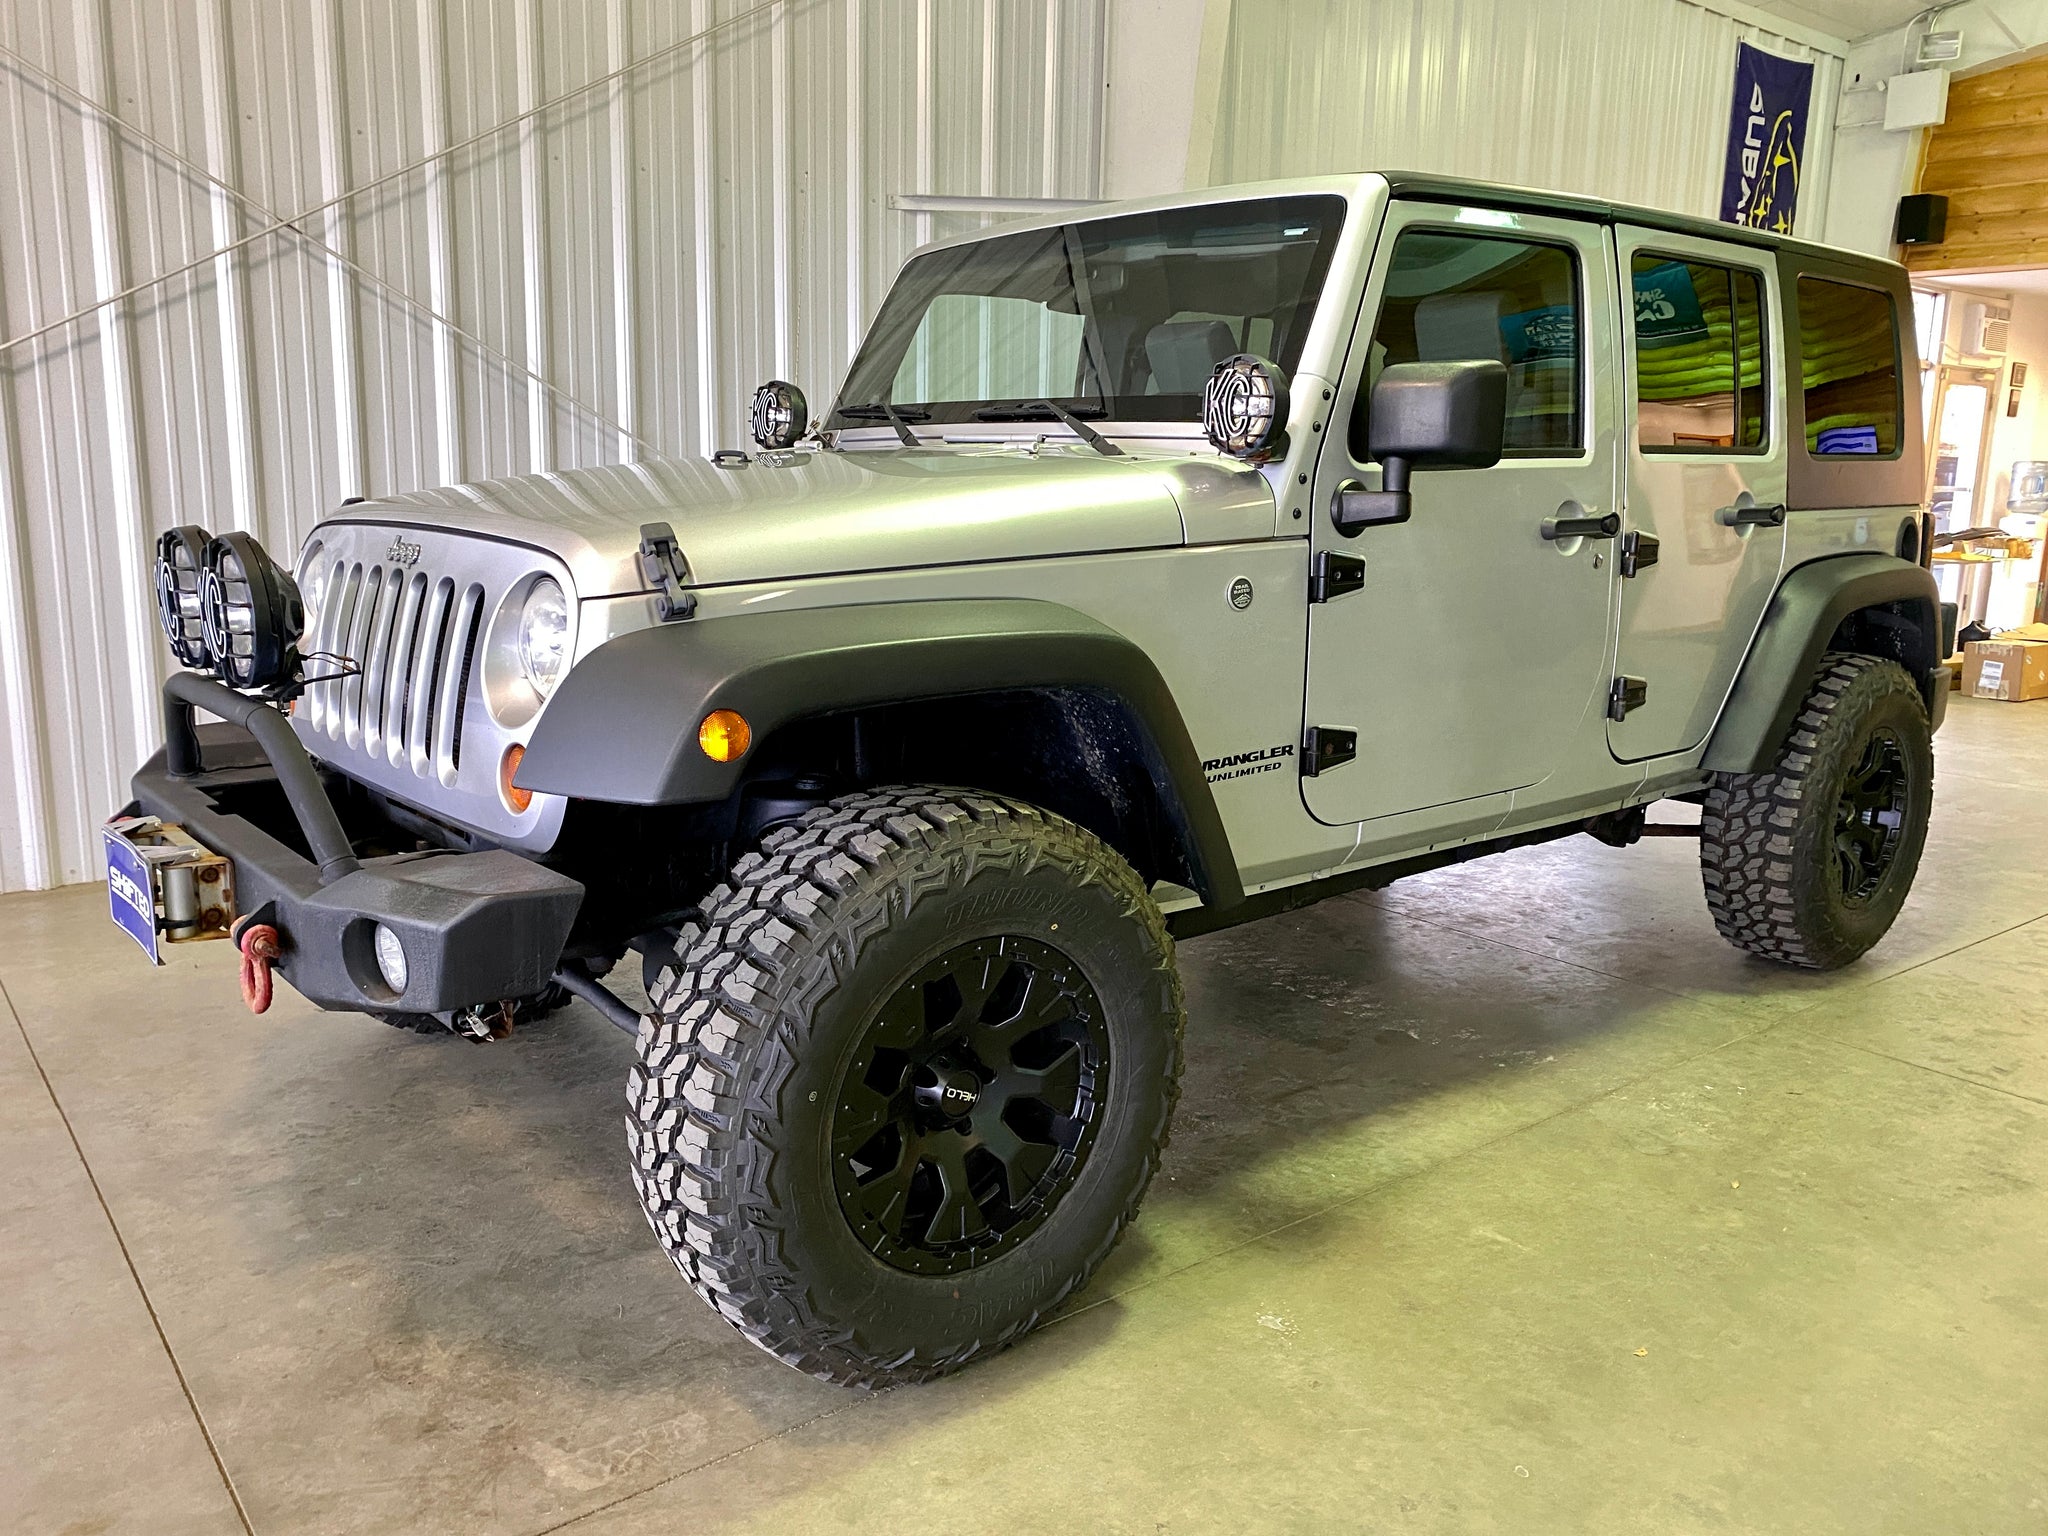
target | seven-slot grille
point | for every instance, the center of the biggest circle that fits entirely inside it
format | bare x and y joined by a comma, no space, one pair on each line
411,638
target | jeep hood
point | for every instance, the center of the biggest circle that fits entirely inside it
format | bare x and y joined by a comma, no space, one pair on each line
785,516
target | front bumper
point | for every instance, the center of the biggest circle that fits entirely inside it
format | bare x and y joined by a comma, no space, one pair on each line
476,927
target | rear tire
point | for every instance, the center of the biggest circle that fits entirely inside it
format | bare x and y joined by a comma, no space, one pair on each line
1809,863
907,1079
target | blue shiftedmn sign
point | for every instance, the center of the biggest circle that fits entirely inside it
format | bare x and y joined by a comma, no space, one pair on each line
1766,140
128,892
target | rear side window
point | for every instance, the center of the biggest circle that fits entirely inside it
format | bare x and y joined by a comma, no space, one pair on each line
1699,357
1456,297
1849,367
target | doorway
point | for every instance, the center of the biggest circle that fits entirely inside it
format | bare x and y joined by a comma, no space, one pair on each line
1958,467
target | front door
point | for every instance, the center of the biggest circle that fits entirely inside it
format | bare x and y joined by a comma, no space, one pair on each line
1706,480
1475,651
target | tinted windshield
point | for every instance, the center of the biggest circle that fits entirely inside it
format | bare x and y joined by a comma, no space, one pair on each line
1122,318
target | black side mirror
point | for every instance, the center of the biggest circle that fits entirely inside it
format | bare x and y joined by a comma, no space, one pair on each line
1425,416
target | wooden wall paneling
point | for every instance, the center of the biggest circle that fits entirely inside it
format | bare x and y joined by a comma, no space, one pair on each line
1990,159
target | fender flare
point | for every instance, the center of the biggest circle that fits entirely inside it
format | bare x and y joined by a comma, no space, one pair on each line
1802,619
623,725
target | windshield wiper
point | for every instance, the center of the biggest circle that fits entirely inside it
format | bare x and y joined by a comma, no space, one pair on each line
882,410
1045,410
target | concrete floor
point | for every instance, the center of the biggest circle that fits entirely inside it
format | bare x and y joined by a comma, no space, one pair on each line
1507,1200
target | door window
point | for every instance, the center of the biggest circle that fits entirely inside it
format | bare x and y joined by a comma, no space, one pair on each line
1699,357
1457,297
1849,359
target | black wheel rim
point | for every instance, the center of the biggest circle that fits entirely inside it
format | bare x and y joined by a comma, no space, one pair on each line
1870,817
969,1106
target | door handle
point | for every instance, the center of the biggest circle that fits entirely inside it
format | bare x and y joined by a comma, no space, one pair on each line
1763,514
1605,526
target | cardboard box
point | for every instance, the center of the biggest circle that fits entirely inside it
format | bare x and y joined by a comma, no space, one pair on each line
2011,668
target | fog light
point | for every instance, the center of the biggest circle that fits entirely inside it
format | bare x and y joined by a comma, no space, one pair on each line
725,735
390,959
516,800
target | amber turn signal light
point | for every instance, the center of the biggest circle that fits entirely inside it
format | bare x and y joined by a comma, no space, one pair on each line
516,799
725,735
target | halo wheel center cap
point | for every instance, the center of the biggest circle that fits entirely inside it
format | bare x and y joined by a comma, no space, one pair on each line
949,1090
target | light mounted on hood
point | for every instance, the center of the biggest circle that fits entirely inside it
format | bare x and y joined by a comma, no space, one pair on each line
1244,407
780,416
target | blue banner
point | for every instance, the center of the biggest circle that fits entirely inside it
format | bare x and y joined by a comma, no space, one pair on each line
1766,140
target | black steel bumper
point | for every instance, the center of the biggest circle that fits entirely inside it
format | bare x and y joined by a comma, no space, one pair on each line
475,927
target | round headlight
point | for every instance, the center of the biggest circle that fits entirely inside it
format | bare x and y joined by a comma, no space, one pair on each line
313,583
780,415
252,612
1244,406
180,563
544,635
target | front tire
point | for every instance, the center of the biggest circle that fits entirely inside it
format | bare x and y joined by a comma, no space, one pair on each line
907,1080
1809,863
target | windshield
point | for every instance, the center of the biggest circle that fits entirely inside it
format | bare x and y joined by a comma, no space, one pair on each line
1121,318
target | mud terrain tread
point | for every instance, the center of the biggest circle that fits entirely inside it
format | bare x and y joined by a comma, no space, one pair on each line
1749,821
756,956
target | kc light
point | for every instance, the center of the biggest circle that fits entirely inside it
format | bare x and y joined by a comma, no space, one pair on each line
252,613
1244,406
544,635
780,415
180,574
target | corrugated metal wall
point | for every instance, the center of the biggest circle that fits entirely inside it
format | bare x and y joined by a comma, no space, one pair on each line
1626,99
240,280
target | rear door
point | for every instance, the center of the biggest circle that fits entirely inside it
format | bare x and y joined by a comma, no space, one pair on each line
1705,454
1470,651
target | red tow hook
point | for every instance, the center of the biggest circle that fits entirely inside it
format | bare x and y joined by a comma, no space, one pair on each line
258,943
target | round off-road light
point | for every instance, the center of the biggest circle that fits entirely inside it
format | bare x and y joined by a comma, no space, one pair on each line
390,959
180,576
725,735
517,800
780,415
1244,406
252,613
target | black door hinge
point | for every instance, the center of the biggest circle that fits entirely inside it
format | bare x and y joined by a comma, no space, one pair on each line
1638,550
1625,694
1325,747
664,568
1333,575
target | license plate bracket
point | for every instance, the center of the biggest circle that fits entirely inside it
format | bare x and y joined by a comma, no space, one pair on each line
164,886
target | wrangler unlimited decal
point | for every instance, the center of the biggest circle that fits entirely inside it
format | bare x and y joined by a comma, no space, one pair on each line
1239,764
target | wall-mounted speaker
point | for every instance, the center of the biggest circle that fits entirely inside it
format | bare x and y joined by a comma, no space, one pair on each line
1922,220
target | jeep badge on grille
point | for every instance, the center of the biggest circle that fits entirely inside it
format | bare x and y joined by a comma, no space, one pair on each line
402,553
